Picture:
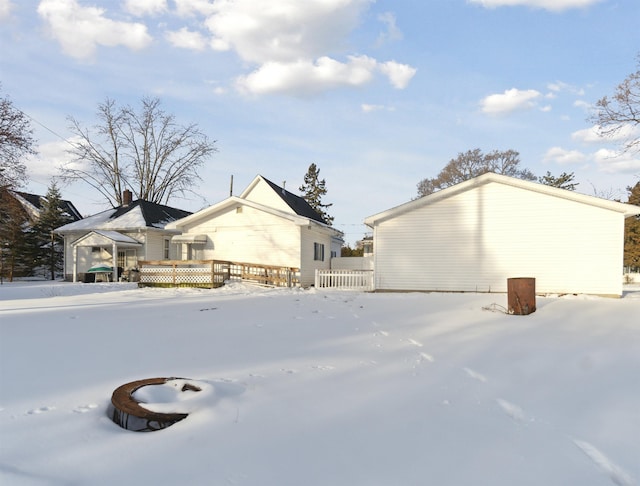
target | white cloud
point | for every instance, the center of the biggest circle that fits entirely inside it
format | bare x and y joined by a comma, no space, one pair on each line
287,45
79,30
186,8
552,5
561,156
187,39
294,44
546,108
509,101
584,105
588,135
399,74
368,108
594,135
285,31
305,78
607,160
612,162
50,158
145,7
392,33
5,9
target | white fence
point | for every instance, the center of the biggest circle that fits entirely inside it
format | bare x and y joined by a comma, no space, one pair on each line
345,279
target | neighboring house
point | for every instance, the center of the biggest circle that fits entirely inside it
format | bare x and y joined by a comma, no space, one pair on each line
26,248
472,236
265,225
32,205
119,238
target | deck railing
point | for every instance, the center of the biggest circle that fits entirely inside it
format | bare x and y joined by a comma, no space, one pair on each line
265,274
345,279
183,273
213,273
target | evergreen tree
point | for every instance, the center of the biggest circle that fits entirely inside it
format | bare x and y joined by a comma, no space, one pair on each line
632,231
347,251
14,223
312,191
47,248
563,181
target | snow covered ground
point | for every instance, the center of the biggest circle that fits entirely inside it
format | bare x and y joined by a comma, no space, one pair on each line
310,387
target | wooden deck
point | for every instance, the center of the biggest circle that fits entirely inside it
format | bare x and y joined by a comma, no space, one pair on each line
213,273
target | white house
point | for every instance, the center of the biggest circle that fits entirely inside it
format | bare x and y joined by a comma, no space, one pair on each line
119,238
265,225
475,235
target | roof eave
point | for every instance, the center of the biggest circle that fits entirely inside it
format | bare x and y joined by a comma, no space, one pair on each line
626,209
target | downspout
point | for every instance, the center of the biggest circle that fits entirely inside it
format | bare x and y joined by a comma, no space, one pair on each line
114,265
75,263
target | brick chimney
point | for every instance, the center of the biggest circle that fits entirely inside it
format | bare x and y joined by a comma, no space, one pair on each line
126,197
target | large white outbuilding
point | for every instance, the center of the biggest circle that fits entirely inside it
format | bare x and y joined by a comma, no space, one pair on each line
473,236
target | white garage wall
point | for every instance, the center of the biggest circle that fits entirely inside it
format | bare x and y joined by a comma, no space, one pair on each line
475,240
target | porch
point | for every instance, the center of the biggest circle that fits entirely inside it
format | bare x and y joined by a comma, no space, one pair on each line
103,250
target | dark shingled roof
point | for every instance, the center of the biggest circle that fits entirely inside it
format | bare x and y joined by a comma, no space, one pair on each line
297,203
36,201
155,215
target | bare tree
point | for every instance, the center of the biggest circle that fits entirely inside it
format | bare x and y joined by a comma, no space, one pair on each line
145,151
619,116
473,163
16,141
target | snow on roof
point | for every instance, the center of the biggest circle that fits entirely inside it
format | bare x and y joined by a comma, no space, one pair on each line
139,214
90,222
116,236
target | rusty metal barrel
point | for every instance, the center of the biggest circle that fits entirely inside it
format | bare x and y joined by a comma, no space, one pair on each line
521,295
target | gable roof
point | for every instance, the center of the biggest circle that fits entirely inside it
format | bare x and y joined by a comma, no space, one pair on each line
298,204
35,203
138,214
490,177
154,215
235,201
99,237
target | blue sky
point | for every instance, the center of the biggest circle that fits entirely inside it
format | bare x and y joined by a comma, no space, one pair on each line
378,94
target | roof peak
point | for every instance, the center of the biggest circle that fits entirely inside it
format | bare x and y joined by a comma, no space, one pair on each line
297,203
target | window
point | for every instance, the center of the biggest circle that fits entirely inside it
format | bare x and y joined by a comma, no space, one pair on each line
318,252
166,249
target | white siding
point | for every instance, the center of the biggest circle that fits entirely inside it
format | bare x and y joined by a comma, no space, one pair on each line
249,236
475,240
264,194
309,264
154,245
